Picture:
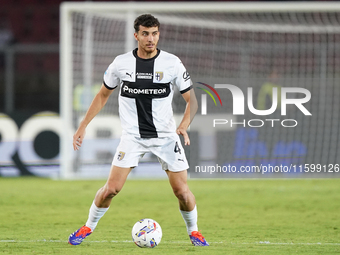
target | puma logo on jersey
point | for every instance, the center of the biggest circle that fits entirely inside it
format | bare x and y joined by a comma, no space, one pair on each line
130,74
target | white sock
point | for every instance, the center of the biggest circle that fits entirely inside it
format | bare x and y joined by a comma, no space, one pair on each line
190,219
94,216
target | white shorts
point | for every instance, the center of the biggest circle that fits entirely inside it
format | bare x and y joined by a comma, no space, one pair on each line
168,150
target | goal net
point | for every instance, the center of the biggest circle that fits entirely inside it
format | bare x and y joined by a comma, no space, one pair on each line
266,47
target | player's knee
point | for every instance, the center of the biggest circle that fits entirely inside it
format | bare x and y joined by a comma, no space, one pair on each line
111,192
182,194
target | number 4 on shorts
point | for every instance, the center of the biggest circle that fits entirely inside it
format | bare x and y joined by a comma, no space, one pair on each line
177,149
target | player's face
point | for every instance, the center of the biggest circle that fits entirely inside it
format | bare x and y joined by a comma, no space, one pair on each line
147,38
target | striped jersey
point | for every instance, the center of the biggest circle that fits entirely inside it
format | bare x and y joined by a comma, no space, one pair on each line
146,91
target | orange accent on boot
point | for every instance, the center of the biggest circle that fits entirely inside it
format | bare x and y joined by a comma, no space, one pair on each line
198,235
83,231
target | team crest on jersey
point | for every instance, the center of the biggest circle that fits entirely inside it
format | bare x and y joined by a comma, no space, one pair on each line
121,155
159,76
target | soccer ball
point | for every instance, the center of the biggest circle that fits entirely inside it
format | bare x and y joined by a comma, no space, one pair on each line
146,233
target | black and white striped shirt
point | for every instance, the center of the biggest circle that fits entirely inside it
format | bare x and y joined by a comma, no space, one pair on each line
146,91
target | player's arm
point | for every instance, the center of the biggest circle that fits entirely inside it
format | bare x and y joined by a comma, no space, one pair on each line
97,104
189,113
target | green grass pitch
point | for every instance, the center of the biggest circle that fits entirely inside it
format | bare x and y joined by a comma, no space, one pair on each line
235,216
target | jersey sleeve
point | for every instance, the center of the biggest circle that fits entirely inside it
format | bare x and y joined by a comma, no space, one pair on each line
182,77
111,79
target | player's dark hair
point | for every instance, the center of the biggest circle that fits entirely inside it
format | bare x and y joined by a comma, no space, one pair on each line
146,20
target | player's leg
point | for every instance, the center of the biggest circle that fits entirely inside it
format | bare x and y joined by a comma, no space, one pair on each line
187,205
171,155
104,195
127,156
114,184
178,182
101,203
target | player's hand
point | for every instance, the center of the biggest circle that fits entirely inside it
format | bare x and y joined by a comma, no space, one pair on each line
183,132
78,138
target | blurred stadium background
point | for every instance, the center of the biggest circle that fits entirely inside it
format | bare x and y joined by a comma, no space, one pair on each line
296,49
266,49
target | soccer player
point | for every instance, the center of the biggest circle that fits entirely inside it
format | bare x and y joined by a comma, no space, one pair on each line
147,77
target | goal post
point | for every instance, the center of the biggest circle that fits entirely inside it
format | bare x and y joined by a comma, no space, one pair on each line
244,43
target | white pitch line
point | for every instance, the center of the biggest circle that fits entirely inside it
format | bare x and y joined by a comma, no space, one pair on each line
61,241
270,243
130,241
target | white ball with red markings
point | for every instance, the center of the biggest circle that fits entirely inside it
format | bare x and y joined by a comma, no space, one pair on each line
146,233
